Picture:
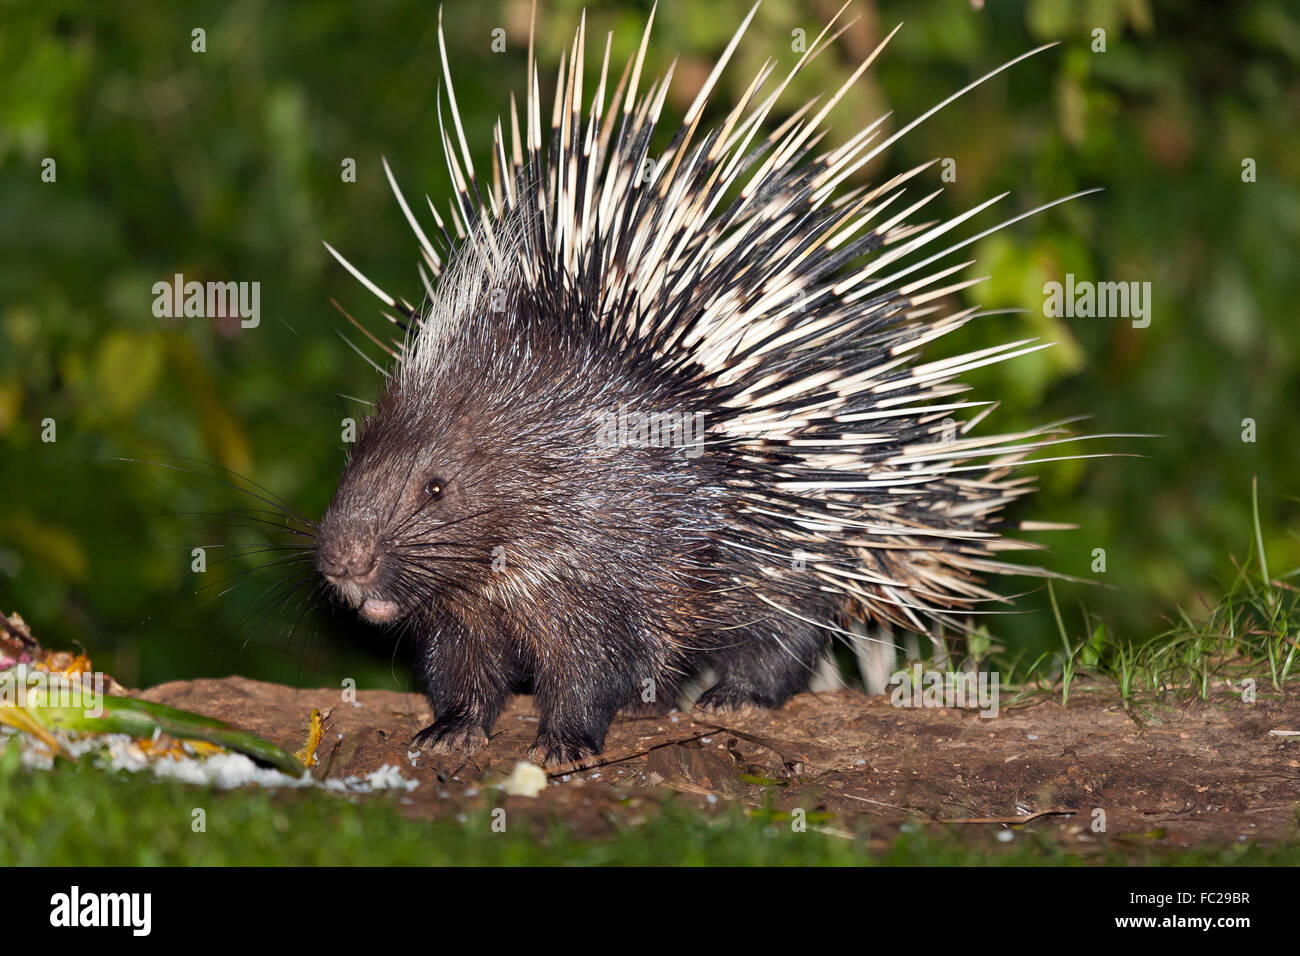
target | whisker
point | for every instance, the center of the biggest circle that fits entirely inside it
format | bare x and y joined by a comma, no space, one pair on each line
272,501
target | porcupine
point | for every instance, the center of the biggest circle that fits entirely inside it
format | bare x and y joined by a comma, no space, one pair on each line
489,507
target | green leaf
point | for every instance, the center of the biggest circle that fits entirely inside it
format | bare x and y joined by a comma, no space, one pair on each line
141,718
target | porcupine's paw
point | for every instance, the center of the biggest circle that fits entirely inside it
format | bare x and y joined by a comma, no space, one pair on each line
735,700
450,737
551,751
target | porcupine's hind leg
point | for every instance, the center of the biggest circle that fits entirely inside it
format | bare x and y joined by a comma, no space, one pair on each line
763,665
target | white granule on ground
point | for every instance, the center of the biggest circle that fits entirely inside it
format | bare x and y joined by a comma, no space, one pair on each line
526,780
386,777
223,771
389,777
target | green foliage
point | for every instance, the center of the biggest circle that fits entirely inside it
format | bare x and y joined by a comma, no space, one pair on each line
226,165
1247,640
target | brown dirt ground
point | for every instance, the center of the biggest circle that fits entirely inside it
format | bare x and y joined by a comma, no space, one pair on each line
1179,775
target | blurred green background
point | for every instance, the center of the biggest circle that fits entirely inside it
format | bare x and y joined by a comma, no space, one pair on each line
226,165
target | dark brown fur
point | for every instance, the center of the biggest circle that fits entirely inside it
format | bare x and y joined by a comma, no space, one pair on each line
591,574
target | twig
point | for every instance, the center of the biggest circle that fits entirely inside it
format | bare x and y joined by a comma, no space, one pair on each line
1009,820
579,766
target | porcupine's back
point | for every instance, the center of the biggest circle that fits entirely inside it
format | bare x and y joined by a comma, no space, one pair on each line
735,276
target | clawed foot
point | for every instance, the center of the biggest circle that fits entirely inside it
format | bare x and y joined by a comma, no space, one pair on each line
730,701
450,737
551,752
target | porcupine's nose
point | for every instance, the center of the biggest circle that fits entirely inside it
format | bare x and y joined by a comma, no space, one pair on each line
354,563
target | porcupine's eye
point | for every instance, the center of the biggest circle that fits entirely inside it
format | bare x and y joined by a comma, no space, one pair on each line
434,488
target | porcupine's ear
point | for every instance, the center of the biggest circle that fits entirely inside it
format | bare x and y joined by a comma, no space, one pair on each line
464,439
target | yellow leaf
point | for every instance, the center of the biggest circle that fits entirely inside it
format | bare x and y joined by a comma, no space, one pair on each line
47,543
127,367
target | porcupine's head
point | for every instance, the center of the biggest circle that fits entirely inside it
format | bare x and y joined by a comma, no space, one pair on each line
483,477
434,481
411,476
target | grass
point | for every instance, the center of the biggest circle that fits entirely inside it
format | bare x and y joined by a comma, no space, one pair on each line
81,816
1251,633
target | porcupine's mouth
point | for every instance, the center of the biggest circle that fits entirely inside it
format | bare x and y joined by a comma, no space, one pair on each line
369,605
379,610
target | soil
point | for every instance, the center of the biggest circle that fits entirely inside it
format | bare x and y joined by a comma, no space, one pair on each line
1177,775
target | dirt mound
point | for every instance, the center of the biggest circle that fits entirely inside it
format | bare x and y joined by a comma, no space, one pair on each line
1211,771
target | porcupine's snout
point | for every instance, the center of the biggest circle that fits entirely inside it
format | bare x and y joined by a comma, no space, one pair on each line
353,564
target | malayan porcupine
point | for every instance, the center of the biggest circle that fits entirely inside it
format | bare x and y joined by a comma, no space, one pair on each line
662,413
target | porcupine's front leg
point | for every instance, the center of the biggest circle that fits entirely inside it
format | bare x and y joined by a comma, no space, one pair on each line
574,721
577,697
466,677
